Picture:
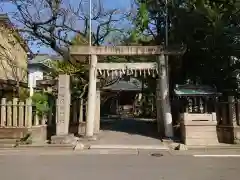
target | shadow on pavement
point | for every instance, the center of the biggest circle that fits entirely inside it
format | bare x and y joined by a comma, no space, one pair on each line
131,126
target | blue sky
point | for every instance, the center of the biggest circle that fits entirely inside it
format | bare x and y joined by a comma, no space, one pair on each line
117,3
121,5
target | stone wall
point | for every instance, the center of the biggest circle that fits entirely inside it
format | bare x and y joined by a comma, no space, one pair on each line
19,118
38,133
228,134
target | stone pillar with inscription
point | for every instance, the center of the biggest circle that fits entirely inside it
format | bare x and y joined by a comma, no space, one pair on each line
63,111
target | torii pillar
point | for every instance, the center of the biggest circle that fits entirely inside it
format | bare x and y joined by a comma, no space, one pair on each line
91,106
97,109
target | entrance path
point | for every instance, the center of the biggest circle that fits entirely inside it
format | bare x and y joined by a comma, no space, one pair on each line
139,133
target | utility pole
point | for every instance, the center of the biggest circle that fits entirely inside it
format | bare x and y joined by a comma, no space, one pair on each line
90,23
163,84
168,113
91,105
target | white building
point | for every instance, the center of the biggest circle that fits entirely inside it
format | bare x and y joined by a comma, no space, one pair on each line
37,68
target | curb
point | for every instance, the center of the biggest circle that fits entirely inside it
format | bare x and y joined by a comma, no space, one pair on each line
115,147
128,147
184,147
11,152
37,146
109,152
220,147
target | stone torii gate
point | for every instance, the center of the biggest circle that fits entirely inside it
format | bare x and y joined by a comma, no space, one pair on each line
164,116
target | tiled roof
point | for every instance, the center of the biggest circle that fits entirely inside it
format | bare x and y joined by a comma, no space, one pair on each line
42,58
122,85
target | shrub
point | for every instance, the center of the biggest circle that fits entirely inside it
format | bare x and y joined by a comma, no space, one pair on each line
40,101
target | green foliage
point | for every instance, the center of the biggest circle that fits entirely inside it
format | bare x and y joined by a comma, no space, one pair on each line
80,40
64,67
142,17
23,93
77,71
209,28
40,101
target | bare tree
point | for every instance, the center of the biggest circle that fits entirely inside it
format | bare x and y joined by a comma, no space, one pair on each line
55,22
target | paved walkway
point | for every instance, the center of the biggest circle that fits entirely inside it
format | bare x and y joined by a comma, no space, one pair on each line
129,132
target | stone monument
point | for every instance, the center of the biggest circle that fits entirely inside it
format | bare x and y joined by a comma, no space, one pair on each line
63,112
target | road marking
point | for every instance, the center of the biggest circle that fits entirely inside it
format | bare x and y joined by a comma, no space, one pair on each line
216,155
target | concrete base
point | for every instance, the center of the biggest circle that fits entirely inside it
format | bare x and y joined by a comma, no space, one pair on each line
93,138
199,129
64,139
80,129
228,134
199,134
38,133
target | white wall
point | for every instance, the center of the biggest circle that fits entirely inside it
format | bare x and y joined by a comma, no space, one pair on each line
34,75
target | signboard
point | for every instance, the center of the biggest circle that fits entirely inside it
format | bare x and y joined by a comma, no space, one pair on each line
116,50
33,77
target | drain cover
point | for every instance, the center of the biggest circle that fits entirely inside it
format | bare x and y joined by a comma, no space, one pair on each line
156,154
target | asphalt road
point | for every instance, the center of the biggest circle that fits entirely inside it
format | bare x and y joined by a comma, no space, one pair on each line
73,166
